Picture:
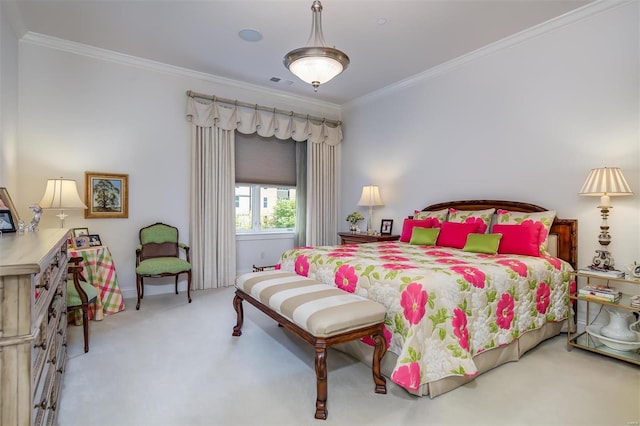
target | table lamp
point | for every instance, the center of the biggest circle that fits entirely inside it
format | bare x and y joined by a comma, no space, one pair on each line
61,194
370,198
605,182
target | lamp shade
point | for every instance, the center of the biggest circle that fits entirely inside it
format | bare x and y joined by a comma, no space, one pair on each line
370,196
606,181
61,194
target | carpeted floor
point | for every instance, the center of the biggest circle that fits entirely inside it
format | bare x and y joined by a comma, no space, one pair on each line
174,363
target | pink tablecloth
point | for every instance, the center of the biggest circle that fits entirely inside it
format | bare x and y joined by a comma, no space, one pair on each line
99,271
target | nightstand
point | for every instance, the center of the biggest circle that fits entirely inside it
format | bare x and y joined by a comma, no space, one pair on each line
582,338
359,238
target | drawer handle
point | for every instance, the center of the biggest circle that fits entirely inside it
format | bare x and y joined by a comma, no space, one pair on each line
53,407
45,285
59,370
53,314
53,360
42,345
42,405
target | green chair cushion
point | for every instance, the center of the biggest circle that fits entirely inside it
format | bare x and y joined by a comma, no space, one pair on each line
163,265
73,298
160,233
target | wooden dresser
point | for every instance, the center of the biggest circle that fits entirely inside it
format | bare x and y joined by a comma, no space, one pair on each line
33,325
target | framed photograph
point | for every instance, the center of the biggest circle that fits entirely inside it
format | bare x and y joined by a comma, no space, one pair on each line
106,195
7,204
94,240
80,232
81,242
6,221
386,226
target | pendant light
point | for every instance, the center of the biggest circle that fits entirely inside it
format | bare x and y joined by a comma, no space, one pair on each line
316,64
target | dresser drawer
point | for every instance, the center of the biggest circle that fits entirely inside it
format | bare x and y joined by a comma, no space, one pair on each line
47,339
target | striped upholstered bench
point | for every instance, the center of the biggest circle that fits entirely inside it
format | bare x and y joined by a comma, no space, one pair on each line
320,314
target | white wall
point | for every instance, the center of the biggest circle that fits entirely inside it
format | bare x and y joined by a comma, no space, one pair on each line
97,111
8,99
525,119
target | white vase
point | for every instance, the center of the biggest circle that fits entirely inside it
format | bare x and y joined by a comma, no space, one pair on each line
618,327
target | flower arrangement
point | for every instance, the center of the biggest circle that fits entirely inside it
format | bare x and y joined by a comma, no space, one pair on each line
354,218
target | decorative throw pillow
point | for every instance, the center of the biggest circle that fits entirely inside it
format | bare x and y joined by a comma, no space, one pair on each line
520,239
441,215
482,243
507,217
453,234
424,236
409,224
481,217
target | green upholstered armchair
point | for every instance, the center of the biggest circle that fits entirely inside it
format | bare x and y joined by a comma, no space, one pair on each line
158,255
80,294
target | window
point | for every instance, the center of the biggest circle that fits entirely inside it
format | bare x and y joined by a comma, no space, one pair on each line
265,184
276,212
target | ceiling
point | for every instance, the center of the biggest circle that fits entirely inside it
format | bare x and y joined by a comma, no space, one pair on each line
387,41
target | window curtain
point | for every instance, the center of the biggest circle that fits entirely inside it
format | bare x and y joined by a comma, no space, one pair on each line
212,190
301,194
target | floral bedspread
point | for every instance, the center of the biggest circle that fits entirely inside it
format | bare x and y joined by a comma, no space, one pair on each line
443,305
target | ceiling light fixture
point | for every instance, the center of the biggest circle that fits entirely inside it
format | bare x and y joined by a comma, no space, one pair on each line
315,63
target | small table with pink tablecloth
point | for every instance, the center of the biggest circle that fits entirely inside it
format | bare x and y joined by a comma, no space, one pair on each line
100,271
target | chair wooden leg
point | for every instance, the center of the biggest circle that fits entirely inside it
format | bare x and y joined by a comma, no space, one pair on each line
237,305
379,351
85,326
177,283
138,290
189,286
321,380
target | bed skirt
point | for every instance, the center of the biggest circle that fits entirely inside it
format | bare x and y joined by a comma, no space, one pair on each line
484,361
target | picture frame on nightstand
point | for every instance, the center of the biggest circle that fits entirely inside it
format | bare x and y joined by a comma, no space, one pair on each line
386,226
6,221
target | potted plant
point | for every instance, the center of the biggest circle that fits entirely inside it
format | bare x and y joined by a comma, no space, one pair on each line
353,219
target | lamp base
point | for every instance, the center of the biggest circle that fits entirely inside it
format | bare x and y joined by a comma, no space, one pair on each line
602,260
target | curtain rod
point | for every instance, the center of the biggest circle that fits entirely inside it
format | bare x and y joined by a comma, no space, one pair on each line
260,107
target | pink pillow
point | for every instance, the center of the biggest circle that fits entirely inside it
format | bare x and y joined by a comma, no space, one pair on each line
454,234
519,239
409,224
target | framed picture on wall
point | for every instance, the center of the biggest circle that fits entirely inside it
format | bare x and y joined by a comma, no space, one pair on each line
386,226
106,195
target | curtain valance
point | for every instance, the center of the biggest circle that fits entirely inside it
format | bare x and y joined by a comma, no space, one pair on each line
266,124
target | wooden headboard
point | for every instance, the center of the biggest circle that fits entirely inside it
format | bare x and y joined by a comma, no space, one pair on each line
565,230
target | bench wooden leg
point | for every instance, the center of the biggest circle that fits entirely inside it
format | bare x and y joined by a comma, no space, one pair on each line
237,305
321,378
379,351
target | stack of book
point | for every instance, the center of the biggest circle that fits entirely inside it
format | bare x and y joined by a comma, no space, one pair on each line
635,301
600,292
604,273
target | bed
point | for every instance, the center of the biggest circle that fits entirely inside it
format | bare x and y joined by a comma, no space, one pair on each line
456,310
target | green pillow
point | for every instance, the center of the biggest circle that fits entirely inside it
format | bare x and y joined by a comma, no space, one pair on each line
482,243
424,236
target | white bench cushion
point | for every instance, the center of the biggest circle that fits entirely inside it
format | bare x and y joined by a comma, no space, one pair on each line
319,308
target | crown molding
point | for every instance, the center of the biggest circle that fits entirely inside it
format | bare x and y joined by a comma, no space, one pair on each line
586,11
148,64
